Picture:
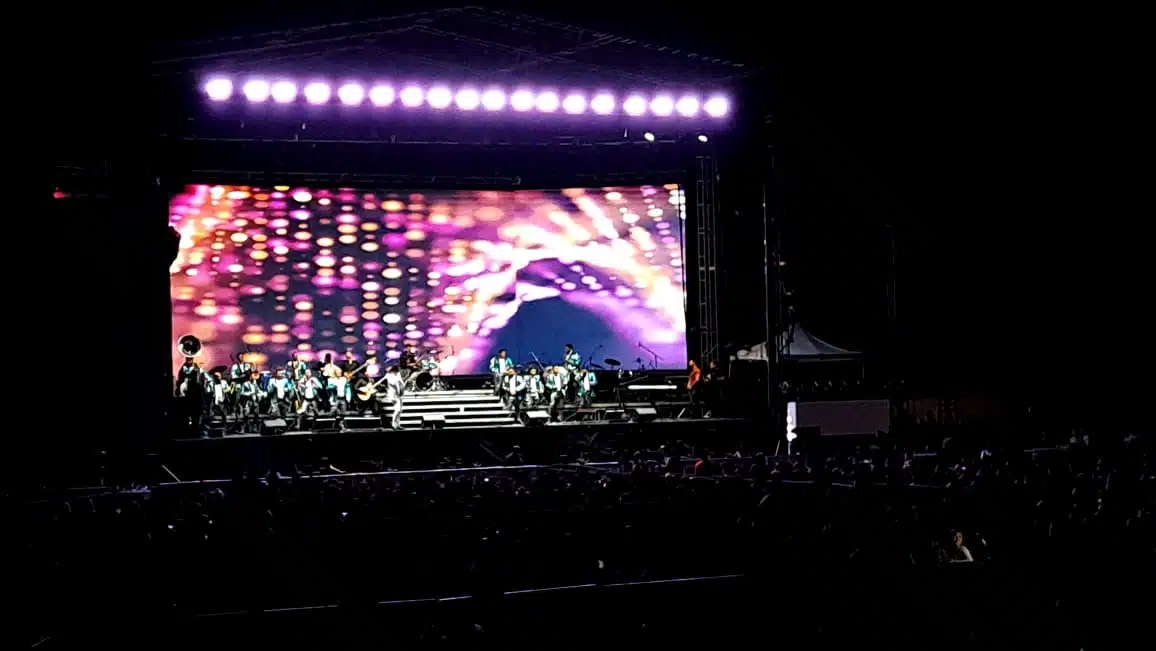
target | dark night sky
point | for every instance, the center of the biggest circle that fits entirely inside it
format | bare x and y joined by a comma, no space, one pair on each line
938,125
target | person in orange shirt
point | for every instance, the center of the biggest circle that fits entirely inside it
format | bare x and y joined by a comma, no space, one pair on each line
692,381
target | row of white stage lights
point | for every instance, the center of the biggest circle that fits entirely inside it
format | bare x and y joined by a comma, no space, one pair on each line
258,91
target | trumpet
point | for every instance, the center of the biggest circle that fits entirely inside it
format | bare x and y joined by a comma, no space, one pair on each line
190,346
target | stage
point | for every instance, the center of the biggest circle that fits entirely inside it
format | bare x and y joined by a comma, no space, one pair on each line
461,407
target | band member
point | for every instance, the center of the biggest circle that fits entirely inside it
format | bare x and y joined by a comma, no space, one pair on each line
219,391
514,388
350,368
246,406
281,394
499,365
408,362
556,388
586,383
295,368
309,391
190,391
334,385
571,359
535,391
241,370
394,390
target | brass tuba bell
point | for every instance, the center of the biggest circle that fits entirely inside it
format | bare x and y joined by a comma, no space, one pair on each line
189,346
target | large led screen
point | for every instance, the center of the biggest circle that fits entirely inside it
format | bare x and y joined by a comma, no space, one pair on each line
456,274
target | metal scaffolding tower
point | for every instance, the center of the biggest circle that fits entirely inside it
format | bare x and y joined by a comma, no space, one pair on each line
706,206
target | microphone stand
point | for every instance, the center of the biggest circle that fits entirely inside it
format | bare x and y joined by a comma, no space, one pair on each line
654,364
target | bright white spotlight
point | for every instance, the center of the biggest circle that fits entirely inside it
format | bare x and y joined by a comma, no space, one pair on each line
662,106
602,104
351,94
317,93
648,136
412,96
574,104
702,137
493,100
716,107
382,95
634,105
467,99
687,107
256,90
547,102
284,92
522,100
439,97
219,90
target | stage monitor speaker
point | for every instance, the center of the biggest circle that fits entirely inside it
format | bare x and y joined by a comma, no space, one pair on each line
642,414
325,424
536,417
362,423
615,415
433,421
273,426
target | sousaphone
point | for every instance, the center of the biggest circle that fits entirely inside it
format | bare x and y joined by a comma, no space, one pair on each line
189,346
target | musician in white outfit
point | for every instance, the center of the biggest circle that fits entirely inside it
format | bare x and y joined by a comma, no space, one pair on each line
500,364
281,390
219,390
308,390
556,381
535,390
394,390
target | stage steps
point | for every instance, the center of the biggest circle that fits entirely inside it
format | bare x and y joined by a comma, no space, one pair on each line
461,408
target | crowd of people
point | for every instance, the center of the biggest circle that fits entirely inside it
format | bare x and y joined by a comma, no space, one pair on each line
870,541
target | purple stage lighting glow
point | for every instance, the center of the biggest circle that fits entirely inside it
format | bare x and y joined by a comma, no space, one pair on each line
634,105
381,95
522,100
313,271
317,93
662,106
219,90
439,97
687,107
716,107
467,99
412,96
256,90
602,104
351,94
547,102
284,92
493,100
574,104
471,97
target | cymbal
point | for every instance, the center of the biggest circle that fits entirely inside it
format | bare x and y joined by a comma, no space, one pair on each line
610,361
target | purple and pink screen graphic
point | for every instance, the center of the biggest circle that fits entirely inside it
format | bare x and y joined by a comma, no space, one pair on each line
456,274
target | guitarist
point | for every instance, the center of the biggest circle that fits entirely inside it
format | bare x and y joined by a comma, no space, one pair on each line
355,378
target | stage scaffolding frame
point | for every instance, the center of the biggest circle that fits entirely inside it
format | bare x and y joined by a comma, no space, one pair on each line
706,251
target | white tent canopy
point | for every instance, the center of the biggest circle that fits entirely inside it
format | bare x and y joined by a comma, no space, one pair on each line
801,346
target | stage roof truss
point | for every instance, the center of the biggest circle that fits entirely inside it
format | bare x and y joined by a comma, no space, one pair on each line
461,42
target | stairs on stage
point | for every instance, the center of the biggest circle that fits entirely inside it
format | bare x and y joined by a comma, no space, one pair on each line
461,408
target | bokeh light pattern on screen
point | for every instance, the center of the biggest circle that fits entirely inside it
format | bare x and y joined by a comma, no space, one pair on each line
457,273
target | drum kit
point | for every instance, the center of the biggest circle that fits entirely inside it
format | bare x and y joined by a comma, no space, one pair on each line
617,367
426,377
